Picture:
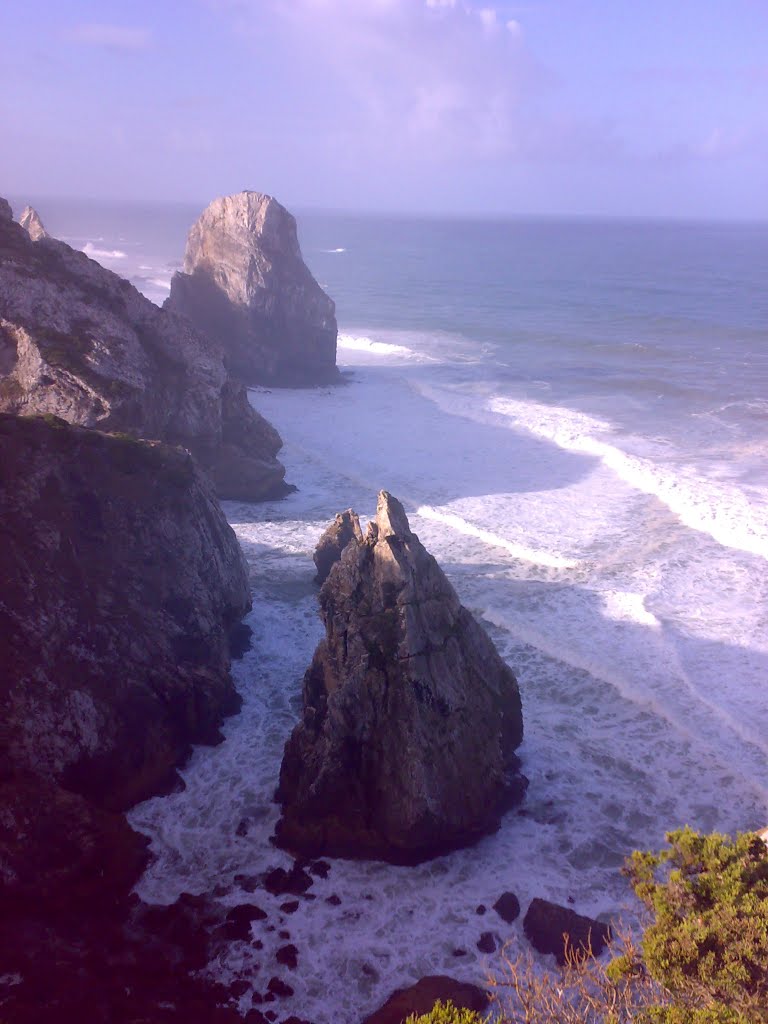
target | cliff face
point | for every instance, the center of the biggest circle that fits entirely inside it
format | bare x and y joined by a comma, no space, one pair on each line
405,748
120,582
246,285
81,343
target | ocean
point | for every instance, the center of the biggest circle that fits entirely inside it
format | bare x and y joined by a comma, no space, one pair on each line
575,416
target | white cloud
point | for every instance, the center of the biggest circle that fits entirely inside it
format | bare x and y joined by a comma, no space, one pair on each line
488,18
111,37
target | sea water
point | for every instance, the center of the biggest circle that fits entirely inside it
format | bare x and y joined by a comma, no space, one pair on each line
575,416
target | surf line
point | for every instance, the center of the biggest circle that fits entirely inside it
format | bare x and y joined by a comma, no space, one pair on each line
518,551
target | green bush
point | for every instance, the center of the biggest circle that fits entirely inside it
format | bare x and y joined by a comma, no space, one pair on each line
446,1013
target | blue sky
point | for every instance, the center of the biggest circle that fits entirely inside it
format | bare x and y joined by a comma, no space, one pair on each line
545,106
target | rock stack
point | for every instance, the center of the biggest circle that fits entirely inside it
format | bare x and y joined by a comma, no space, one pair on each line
406,745
246,286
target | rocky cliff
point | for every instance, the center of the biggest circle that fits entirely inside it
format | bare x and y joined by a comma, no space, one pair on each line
246,285
79,342
405,748
120,582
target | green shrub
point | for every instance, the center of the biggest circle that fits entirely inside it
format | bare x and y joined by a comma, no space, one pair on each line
446,1013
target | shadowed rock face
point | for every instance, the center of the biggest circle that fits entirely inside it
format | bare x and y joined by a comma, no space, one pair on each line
246,285
121,580
79,342
405,748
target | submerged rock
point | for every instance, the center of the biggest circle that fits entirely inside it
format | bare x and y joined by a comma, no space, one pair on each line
246,285
551,928
411,718
121,581
79,342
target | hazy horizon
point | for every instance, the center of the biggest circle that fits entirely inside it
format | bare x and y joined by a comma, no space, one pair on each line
546,108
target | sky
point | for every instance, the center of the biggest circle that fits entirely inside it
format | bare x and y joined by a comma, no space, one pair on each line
577,107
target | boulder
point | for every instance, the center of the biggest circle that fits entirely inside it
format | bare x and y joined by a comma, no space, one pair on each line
30,221
121,580
507,906
344,528
421,997
79,342
406,745
551,928
246,285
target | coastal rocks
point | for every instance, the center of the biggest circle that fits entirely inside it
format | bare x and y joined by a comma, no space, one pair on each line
507,906
30,221
342,530
79,342
421,997
121,581
246,285
551,928
405,748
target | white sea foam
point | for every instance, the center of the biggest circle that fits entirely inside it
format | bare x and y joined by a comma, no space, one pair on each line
103,254
518,551
333,250
366,346
702,504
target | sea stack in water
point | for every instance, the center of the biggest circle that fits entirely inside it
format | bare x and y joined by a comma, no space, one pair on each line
406,745
79,342
246,285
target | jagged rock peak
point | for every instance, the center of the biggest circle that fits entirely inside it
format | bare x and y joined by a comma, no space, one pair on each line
406,745
344,528
6,213
30,221
245,284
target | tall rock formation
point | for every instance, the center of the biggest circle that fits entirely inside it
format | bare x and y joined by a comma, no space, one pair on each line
246,285
120,582
405,748
79,342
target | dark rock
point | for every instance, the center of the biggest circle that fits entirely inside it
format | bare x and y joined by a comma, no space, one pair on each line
334,900
403,668
321,868
551,928
481,909
486,943
290,906
248,883
255,1017
278,881
288,956
507,906
244,282
239,919
459,952
271,1016
295,1020
240,638
421,997
279,988
239,988
283,934
344,528
242,828
121,581
81,343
